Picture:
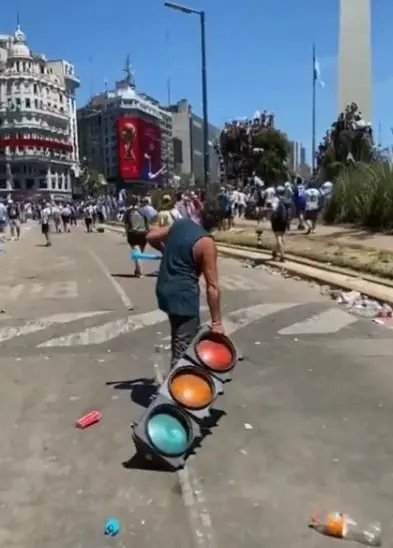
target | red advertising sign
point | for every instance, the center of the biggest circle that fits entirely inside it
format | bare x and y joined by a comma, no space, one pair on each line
139,149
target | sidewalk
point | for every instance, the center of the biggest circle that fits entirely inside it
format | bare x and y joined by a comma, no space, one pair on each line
343,234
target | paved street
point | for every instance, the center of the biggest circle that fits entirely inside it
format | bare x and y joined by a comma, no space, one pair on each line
307,423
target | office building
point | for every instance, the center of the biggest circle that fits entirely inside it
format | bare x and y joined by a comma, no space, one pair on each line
39,153
187,131
125,135
355,74
303,155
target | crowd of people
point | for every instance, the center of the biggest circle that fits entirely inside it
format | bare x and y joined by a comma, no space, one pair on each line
344,136
56,216
236,146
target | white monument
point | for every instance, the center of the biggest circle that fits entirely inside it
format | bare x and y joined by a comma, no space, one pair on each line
354,72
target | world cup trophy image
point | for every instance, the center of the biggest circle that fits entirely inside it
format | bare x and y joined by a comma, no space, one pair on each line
128,135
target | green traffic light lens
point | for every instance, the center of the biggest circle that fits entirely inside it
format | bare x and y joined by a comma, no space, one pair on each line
168,433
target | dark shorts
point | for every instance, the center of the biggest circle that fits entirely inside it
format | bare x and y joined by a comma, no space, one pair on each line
66,219
137,238
45,228
279,226
183,330
311,215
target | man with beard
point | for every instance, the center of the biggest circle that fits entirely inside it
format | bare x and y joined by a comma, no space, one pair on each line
188,251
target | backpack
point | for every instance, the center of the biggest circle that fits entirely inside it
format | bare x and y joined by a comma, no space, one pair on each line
280,214
132,218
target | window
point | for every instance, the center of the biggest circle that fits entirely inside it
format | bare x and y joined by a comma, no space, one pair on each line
3,183
43,184
18,102
35,103
30,184
28,104
17,184
35,88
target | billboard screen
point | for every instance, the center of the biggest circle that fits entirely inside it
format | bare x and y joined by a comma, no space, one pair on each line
139,149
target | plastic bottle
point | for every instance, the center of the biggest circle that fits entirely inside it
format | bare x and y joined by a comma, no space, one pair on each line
339,525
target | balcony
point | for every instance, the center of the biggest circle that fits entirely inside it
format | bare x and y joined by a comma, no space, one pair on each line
14,111
31,157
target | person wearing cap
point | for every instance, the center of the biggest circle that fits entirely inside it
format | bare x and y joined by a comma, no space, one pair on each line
168,214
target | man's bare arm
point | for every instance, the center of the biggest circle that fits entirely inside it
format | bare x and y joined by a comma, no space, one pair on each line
205,253
156,237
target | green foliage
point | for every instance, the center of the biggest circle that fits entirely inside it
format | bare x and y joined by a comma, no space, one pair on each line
93,182
271,166
363,195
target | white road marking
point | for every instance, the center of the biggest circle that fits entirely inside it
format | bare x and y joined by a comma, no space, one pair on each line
107,331
36,289
11,293
61,290
67,289
328,322
116,286
245,316
236,283
10,332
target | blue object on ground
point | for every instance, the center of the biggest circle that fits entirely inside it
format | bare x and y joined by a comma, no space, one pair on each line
138,256
112,527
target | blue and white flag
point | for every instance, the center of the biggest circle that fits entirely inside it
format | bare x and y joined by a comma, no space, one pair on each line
317,73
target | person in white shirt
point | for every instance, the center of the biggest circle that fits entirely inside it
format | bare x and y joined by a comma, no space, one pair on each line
56,216
46,215
88,213
168,214
66,217
313,203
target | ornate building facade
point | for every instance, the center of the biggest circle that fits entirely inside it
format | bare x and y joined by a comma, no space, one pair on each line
39,151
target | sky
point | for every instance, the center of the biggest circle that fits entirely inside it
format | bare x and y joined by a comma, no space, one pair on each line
259,54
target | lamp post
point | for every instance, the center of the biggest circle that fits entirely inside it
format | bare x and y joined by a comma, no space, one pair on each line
201,14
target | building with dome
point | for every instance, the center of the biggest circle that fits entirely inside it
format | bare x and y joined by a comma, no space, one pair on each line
39,153
126,135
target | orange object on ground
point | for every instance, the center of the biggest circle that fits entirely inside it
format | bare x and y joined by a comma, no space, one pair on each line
88,420
334,524
214,354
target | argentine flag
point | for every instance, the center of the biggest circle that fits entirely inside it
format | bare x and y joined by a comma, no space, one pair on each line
317,73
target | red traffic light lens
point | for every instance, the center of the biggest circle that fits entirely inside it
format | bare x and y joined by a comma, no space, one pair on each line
215,353
191,388
168,431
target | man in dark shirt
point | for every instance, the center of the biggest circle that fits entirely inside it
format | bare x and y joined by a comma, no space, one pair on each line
13,213
188,251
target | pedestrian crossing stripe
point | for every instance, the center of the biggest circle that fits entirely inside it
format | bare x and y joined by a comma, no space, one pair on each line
328,321
237,283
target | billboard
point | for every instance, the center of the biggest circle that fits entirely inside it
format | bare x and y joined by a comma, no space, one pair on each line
139,149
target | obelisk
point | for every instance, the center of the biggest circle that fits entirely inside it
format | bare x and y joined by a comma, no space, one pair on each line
354,56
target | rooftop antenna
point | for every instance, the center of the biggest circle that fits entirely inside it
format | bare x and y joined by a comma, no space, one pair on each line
128,71
17,20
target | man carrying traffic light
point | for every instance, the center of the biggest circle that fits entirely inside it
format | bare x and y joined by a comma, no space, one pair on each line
188,251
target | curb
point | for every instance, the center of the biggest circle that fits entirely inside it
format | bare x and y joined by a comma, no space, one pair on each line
265,254
336,280
324,276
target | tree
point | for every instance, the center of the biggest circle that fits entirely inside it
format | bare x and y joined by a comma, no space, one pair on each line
93,182
271,165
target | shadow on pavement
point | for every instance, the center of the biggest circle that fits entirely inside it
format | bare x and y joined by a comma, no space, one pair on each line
142,390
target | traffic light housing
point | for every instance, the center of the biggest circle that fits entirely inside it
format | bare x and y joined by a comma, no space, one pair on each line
171,426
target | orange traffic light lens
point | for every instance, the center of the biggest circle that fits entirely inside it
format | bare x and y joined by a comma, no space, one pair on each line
191,388
215,354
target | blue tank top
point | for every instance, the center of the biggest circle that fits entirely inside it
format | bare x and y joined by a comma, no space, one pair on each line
177,288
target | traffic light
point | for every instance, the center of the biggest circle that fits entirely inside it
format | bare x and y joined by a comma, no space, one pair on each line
171,425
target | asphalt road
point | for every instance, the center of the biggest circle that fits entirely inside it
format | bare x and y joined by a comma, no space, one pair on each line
307,420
